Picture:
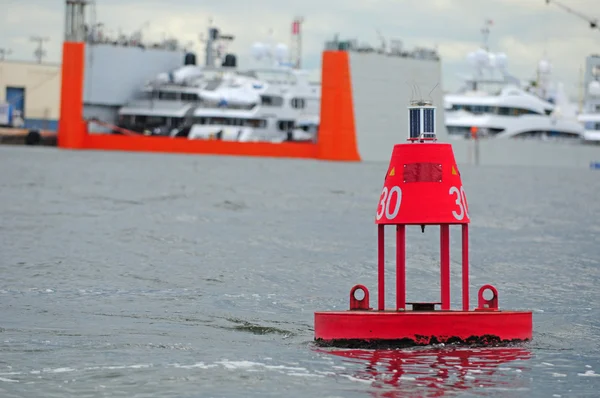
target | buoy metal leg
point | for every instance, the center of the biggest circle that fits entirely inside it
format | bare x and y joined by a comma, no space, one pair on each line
445,265
465,267
381,267
400,267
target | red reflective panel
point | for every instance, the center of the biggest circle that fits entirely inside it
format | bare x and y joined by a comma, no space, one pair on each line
422,172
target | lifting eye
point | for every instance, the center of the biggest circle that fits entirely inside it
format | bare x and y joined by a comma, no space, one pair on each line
359,298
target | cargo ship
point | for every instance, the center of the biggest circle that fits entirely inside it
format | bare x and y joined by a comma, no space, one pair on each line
275,102
362,88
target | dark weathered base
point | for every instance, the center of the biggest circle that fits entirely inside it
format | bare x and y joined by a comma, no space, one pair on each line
379,344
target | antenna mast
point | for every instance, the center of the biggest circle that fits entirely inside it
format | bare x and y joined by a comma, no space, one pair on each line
383,41
39,51
75,20
485,31
215,37
296,53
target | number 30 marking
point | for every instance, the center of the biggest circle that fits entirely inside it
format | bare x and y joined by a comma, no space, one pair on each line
461,202
384,204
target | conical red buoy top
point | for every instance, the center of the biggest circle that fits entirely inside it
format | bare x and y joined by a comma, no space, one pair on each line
422,184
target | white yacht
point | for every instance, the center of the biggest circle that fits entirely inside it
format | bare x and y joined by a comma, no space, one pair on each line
509,113
493,103
590,115
274,103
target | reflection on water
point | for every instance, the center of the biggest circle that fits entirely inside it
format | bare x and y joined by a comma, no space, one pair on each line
440,371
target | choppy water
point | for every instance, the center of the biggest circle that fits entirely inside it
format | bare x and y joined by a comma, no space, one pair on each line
138,275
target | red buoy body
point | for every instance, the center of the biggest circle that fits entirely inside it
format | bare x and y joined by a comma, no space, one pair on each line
422,187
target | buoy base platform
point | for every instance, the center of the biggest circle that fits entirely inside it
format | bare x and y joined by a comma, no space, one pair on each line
363,327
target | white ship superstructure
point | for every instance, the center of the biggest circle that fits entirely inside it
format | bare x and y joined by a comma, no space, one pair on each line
273,103
494,103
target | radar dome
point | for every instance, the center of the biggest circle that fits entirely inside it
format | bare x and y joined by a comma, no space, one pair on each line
501,60
482,57
544,66
492,60
259,50
472,58
281,52
594,88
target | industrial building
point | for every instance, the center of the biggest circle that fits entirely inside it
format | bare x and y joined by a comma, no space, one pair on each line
29,94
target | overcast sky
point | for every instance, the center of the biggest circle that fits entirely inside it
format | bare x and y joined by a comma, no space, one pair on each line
523,29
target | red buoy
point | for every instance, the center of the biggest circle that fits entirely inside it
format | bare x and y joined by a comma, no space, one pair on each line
422,187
